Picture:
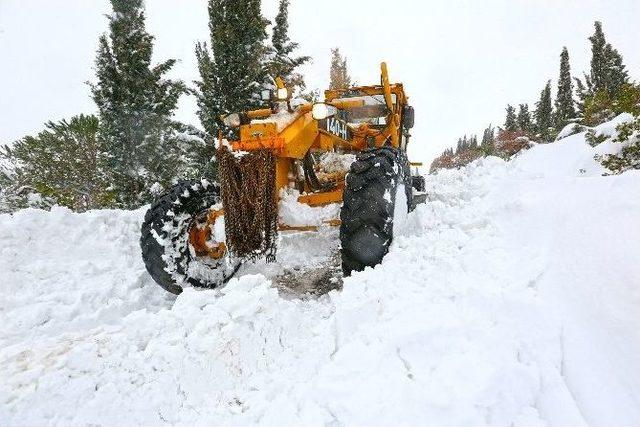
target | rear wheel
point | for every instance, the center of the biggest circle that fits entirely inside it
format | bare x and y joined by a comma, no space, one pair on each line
377,197
182,238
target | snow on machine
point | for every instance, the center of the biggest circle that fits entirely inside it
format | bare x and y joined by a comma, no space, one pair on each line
349,149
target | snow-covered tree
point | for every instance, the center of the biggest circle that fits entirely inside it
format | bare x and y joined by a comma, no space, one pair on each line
473,142
282,62
135,102
338,73
233,67
60,165
628,157
607,75
617,75
598,73
544,114
487,144
523,119
564,104
510,121
583,93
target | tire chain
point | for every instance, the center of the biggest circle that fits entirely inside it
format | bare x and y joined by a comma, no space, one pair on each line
248,191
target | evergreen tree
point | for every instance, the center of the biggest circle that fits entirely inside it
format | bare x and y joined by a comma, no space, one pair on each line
459,146
473,142
617,75
598,75
235,70
338,74
608,72
565,110
628,157
583,93
488,141
523,119
198,153
61,165
510,122
602,90
544,114
282,63
135,102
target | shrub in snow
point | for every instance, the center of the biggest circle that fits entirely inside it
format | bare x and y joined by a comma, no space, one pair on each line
156,189
62,165
629,155
450,160
509,143
603,106
571,129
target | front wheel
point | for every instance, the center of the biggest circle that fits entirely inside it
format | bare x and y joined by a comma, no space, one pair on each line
377,196
182,238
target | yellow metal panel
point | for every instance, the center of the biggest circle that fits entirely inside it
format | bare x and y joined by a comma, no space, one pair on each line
321,199
256,114
330,223
299,136
258,130
345,104
283,166
325,142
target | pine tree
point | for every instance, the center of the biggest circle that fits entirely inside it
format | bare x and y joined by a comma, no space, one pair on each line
583,93
608,72
135,102
61,165
628,157
523,119
544,114
488,141
565,110
282,63
617,75
338,74
510,122
473,142
459,146
235,70
598,74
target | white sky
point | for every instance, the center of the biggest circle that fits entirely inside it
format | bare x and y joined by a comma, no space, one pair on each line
461,61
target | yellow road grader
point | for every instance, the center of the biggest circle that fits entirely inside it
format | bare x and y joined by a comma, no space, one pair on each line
349,149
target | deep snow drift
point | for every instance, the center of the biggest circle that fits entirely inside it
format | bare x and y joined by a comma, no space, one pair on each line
510,298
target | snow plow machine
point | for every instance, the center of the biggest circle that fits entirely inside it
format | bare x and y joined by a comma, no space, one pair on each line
349,150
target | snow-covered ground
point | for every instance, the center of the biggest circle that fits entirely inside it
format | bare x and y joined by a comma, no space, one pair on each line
511,298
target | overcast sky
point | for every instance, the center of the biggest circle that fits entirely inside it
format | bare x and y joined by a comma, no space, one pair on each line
461,61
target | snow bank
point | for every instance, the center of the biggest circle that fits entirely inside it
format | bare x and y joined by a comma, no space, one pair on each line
571,156
293,213
509,299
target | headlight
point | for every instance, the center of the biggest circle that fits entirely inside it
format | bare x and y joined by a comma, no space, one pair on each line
282,94
321,111
265,95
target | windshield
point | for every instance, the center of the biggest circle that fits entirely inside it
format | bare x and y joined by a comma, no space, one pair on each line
373,111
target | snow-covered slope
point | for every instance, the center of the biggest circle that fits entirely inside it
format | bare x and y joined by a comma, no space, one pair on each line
511,298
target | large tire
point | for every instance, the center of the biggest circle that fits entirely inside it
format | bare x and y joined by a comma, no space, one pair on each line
370,203
164,241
